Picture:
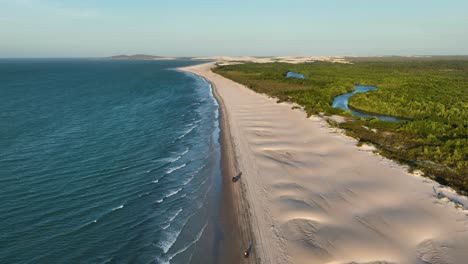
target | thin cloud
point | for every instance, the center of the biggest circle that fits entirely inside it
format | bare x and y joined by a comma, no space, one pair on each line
50,8
6,19
75,13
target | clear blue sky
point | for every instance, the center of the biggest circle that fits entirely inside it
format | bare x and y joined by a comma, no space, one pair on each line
65,28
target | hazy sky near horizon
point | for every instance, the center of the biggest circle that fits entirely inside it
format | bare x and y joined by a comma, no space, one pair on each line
89,28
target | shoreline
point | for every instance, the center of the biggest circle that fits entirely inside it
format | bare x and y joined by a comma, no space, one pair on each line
233,205
309,194
236,223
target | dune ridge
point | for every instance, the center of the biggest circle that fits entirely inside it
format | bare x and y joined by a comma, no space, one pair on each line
315,197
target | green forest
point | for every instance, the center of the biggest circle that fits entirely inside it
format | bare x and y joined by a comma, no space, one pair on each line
430,93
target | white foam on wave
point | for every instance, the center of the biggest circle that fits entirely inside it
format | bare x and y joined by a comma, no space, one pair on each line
197,238
169,195
175,168
172,160
166,244
189,179
89,223
143,194
172,237
170,257
169,222
175,215
103,215
173,193
181,155
118,207
193,123
187,131
184,152
172,169
199,186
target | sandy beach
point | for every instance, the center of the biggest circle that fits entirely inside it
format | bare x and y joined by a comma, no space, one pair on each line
308,194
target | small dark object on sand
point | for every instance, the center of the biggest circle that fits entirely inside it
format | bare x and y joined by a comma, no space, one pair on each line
247,251
236,178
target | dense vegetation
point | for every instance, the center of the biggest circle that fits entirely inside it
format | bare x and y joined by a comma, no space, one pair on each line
431,92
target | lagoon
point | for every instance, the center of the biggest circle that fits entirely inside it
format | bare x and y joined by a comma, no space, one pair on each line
341,101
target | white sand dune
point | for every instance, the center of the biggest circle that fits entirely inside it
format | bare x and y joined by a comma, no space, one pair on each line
315,197
225,60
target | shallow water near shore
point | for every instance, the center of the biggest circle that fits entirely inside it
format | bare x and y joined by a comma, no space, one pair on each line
106,162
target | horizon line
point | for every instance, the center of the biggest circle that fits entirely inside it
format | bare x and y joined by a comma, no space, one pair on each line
253,56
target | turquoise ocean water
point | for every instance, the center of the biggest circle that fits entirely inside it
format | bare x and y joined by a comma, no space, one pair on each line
105,161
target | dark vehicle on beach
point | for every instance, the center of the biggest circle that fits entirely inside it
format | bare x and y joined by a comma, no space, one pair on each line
237,178
247,251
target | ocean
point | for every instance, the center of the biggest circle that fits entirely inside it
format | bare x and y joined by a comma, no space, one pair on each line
106,161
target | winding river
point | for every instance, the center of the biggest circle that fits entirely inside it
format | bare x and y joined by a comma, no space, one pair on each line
341,101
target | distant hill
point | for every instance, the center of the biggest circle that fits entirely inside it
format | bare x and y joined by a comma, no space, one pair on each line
138,57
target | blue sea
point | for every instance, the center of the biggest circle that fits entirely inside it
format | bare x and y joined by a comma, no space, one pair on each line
106,162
